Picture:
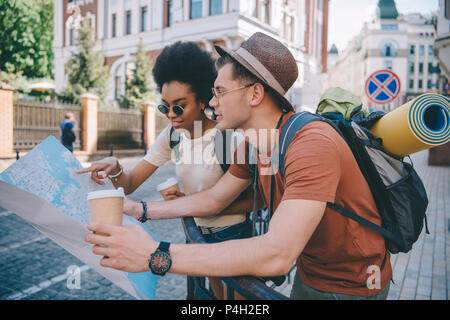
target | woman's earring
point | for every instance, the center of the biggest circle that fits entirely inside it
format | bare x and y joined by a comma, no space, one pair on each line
209,113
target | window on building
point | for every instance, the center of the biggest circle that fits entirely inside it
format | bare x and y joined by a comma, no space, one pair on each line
420,67
430,67
411,50
389,27
71,43
429,84
113,23
144,15
421,50
411,84
117,87
447,9
196,9
215,7
168,13
420,84
266,11
288,30
388,50
255,8
128,22
430,51
411,67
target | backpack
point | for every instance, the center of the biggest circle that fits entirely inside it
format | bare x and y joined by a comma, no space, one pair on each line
222,150
399,193
68,136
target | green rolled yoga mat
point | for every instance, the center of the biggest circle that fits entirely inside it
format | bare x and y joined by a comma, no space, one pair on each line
417,125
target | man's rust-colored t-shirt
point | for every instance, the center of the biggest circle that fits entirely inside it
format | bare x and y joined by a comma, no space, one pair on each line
339,256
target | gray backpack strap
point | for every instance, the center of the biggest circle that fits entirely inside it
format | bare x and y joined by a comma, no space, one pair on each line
290,128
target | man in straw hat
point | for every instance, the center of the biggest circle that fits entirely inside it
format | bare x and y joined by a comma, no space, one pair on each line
336,257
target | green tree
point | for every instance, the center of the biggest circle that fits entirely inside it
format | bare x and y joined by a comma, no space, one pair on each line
26,37
86,69
138,87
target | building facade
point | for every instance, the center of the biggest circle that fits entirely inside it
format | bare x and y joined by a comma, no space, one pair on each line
119,25
402,44
442,45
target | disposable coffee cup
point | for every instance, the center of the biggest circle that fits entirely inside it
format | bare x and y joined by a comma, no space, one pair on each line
106,206
169,184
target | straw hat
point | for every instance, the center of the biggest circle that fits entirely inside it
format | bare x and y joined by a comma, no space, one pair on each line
268,60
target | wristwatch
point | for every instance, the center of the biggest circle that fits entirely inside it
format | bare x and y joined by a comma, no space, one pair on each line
160,260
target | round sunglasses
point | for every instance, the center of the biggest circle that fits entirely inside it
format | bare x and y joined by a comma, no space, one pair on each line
178,110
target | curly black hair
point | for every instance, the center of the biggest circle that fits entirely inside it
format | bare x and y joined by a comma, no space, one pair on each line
186,62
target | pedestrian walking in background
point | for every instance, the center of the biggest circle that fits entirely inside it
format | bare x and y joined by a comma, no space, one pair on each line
67,131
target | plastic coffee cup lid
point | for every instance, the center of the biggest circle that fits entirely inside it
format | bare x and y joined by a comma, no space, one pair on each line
168,183
114,193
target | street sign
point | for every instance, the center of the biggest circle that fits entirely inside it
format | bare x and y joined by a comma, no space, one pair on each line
382,86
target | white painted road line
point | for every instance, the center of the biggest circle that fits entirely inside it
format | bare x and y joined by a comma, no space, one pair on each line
20,244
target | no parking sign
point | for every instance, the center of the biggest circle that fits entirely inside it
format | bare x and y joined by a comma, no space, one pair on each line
382,86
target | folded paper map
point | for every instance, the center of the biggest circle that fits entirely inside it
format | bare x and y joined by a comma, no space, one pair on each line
43,189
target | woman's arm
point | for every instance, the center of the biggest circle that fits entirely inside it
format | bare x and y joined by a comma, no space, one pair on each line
131,181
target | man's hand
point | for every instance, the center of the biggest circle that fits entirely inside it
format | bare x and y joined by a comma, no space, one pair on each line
128,248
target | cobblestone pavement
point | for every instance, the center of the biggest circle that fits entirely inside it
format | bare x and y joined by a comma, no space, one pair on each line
34,267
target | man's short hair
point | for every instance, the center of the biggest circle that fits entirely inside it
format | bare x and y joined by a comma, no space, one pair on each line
245,77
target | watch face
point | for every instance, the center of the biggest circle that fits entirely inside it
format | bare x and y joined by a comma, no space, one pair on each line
160,262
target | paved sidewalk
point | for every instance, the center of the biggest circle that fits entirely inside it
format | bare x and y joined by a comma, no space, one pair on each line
424,272
34,267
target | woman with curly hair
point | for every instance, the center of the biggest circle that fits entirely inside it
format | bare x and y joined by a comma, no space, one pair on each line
184,75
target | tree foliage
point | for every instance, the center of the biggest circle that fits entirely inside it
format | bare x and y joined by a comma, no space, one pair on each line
26,37
86,69
139,88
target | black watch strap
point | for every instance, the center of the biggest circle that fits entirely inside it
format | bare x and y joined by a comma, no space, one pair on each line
160,261
164,246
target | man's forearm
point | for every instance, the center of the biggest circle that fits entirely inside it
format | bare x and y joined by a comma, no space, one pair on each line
198,205
256,256
204,203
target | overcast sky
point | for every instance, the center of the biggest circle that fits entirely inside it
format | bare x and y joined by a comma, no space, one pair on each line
347,17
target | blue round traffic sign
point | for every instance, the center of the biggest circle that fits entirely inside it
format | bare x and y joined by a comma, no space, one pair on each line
382,86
